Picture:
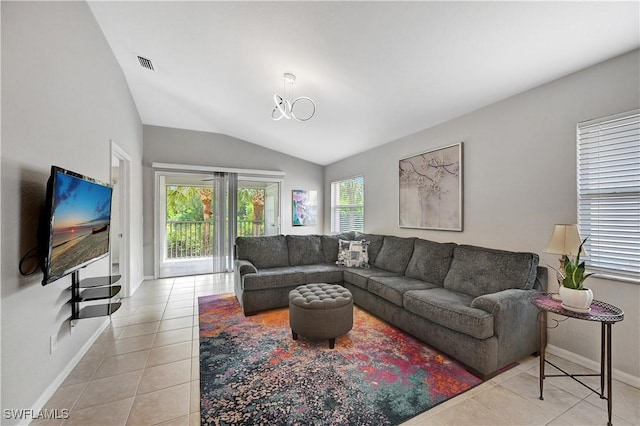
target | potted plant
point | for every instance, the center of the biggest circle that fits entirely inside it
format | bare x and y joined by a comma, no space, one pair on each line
575,297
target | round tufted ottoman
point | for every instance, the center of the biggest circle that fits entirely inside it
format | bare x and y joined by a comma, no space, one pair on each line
323,311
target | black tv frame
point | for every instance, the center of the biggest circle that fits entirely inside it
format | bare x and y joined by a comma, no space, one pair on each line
45,234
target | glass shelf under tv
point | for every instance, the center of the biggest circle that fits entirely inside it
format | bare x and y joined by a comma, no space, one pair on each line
99,281
98,293
99,310
93,289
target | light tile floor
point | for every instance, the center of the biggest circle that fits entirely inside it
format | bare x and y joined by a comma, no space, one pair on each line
143,370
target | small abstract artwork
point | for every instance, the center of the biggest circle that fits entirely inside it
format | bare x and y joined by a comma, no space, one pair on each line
304,207
430,193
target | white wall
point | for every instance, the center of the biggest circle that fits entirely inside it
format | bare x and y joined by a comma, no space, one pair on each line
519,180
63,98
0,222
168,145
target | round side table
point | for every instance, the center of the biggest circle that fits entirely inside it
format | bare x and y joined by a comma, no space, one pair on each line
601,312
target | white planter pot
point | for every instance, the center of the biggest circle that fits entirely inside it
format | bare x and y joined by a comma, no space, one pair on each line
576,300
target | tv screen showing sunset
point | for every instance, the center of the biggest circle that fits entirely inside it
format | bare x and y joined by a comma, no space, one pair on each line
80,222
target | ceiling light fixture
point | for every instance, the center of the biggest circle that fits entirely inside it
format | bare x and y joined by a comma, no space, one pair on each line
285,109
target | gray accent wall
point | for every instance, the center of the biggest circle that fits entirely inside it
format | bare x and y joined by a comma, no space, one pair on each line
64,97
519,180
168,145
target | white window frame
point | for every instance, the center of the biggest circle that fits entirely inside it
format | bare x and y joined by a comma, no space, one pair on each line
608,182
336,208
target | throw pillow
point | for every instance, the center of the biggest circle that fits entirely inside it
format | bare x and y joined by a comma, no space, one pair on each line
353,254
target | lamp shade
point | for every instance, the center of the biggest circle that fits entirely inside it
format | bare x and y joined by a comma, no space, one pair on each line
565,240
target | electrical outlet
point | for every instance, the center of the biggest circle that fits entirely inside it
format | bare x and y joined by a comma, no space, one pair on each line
53,343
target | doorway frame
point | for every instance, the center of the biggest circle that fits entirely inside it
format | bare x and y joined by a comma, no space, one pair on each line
124,211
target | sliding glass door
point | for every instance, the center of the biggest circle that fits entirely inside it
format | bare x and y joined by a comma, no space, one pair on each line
199,215
194,233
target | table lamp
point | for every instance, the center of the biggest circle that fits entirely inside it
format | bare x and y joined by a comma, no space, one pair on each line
564,241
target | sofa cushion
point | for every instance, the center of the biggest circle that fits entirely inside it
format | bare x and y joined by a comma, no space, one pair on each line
264,252
321,273
375,243
395,253
478,270
273,278
450,309
393,288
353,254
330,245
305,250
360,277
430,261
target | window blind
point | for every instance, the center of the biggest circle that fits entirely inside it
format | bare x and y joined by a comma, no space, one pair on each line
347,205
609,194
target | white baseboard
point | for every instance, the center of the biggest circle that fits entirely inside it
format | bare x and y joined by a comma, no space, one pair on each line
60,378
594,365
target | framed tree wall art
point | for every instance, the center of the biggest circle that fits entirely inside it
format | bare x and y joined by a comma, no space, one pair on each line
430,193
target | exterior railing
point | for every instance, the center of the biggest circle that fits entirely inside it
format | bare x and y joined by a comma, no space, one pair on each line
192,239
250,228
189,239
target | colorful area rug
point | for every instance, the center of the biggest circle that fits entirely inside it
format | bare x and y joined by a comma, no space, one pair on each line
253,372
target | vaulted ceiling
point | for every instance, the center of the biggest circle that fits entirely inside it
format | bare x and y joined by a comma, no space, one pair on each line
377,71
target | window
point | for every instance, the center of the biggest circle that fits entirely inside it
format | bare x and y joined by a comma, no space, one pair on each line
347,205
609,194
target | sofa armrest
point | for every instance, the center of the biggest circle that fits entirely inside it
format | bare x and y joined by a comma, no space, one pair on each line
515,320
244,267
501,301
241,268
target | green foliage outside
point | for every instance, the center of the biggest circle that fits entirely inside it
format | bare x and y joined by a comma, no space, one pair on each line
190,231
188,240
350,196
351,191
245,206
183,204
250,212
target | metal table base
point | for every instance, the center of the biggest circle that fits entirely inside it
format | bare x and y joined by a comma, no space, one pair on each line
602,312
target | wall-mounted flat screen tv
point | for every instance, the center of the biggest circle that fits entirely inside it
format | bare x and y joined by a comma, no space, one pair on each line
75,227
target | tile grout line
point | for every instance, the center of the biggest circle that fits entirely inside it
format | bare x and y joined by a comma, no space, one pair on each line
135,395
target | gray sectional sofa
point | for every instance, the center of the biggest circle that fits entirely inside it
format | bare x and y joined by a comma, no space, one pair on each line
472,303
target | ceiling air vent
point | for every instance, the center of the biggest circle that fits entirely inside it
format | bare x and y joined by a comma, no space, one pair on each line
145,63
